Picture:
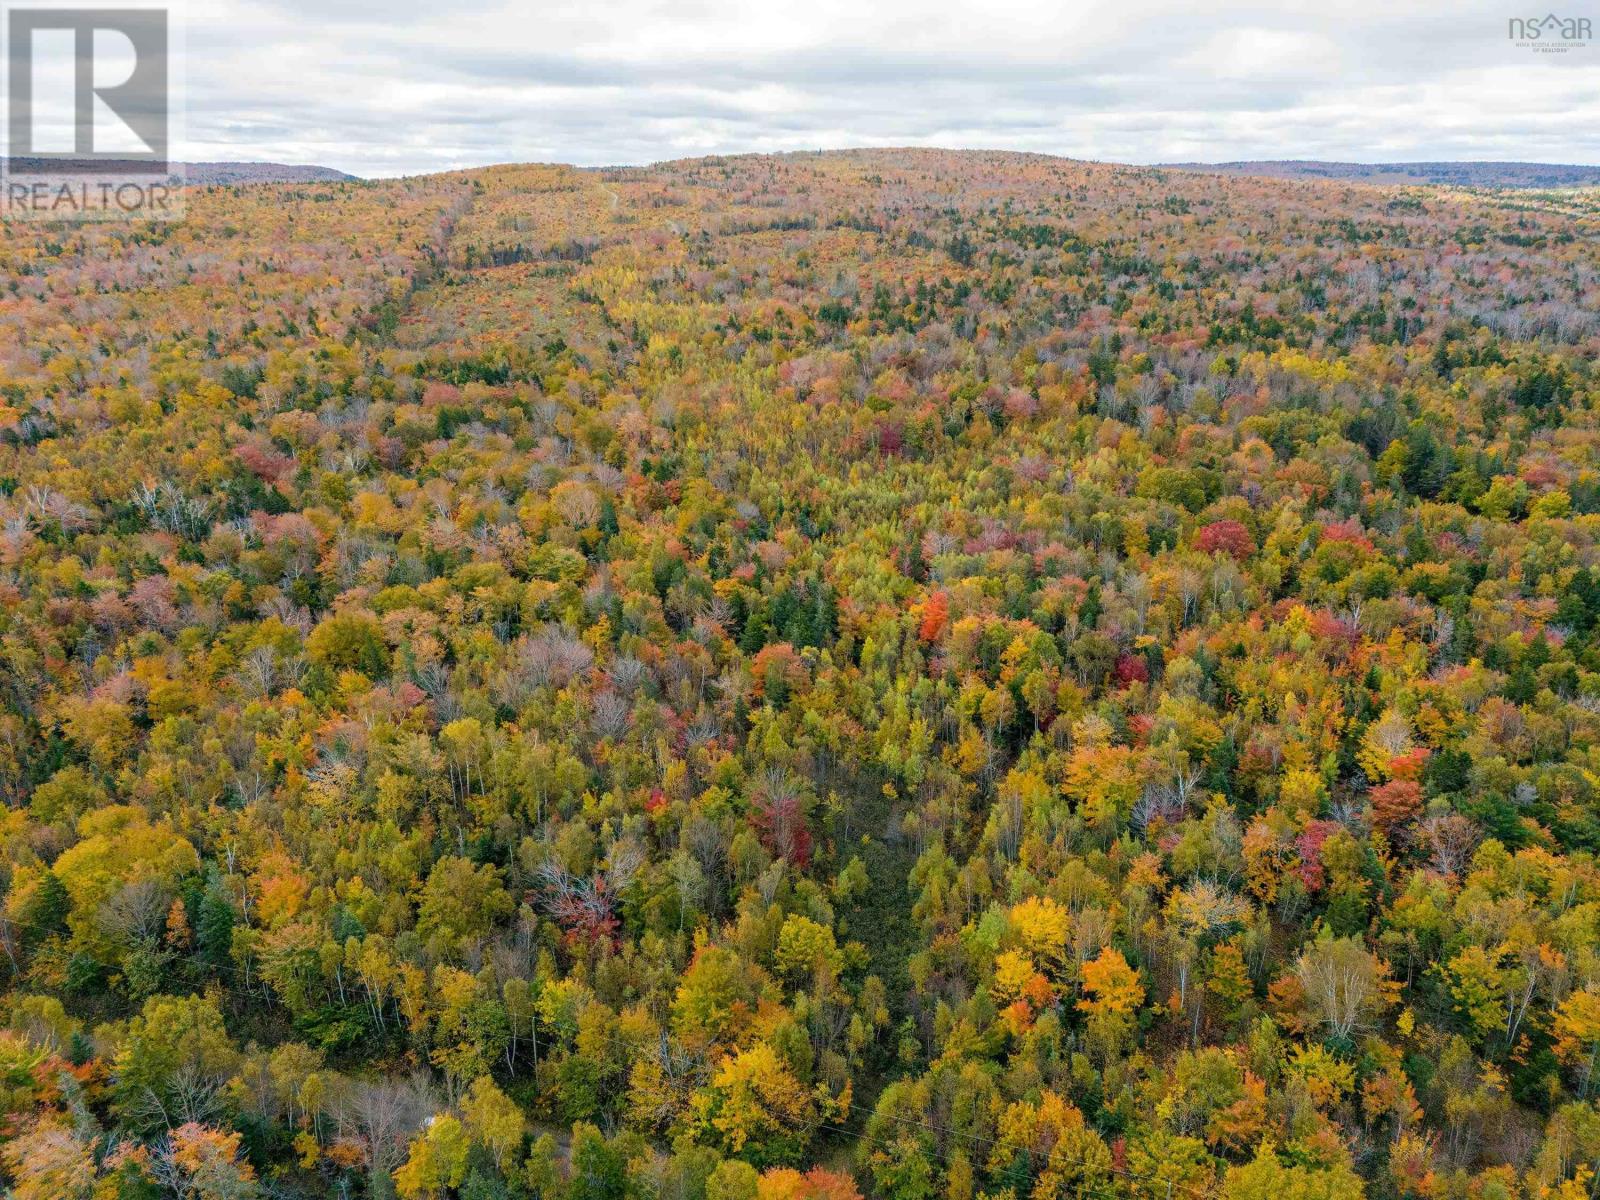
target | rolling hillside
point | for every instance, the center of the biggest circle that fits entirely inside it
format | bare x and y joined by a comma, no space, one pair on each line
914,674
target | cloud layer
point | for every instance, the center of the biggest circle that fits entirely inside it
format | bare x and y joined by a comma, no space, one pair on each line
407,87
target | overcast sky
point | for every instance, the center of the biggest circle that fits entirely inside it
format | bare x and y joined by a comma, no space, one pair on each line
418,85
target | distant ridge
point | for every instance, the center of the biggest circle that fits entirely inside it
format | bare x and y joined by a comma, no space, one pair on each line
1460,174
262,172
209,173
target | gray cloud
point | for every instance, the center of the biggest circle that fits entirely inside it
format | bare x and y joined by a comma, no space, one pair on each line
408,87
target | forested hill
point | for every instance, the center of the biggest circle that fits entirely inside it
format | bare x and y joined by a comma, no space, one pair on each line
922,675
198,174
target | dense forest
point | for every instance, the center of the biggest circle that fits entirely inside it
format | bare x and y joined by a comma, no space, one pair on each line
896,674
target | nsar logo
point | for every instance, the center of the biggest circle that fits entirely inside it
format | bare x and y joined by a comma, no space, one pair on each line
1550,34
